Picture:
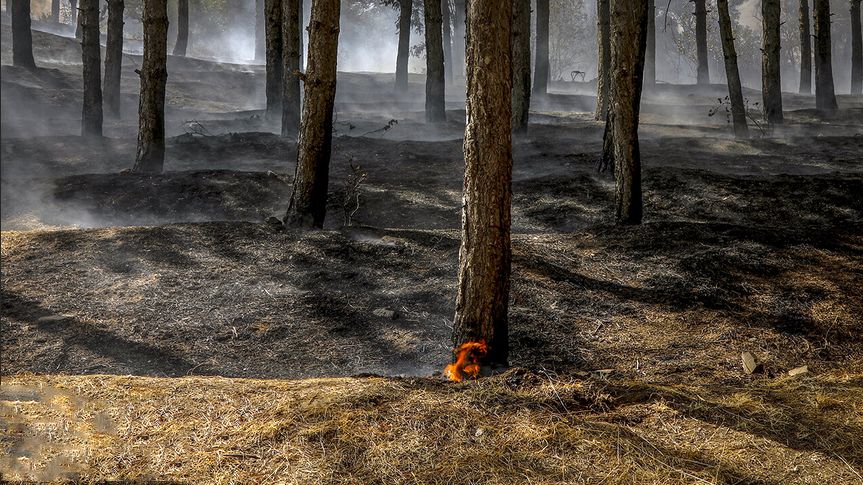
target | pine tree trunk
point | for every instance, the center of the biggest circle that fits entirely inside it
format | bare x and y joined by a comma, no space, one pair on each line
447,41
260,32
703,76
308,203
73,6
291,100
150,155
91,113
485,255
435,101
403,55
459,13
825,97
732,74
856,49
55,11
805,49
182,28
540,72
275,62
520,65
113,59
650,51
22,38
603,55
771,82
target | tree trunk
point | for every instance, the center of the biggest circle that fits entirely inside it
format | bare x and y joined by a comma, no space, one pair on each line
55,11
447,41
732,74
22,38
459,13
825,97
182,28
73,6
435,101
856,49
650,51
150,155
405,12
308,204
485,254
540,72
113,58
520,65
603,55
91,113
291,100
805,49
260,31
703,76
275,62
771,82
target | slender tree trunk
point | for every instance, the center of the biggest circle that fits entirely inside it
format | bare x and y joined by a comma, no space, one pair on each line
856,49
291,101
447,41
55,11
182,28
73,6
732,74
540,72
603,55
275,62
435,100
113,59
825,96
308,204
650,52
703,76
805,49
260,32
91,113
150,155
485,254
771,82
22,38
459,13
405,12
520,65
78,32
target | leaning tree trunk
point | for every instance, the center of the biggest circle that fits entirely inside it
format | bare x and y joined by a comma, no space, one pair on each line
459,13
22,38
603,55
150,155
447,41
732,74
485,254
825,97
771,82
856,49
650,51
55,11
703,75
91,113
520,65
291,101
435,100
540,72
308,205
182,28
113,59
403,54
275,63
260,31
805,49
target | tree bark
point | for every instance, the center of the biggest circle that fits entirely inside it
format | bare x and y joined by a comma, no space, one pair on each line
91,112
308,203
805,49
732,74
150,154
485,255
520,65
22,38
113,58
55,11
603,55
856,49
650,51
291,100
540,72
771,82
260,31
703,76
275,62
447,41
182,28
459,13
403,55
825,96
435,90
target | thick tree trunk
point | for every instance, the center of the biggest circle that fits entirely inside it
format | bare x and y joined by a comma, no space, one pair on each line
291,100
275,62
825,97
485,254
520,65
650,51
805,49
732,74
150,155
308,205
91,113
55,11
260,31
540,71
856,49
771,82
403,55
435,101
182,28
603,56
447,41
458,48
703,75
22,38
113,58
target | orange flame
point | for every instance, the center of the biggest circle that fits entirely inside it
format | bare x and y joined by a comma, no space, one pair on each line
467,361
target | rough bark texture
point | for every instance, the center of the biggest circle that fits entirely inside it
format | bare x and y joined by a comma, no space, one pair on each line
435,82
113,59
603,47
771,82
150,155
540,71
275,63
825,97
403,55
182,28
650,50
520,65
22,38
291,100
55,11
856,49
260,31
458,48
485,254
308,203
732,74
703,74
447,41
91,113
805,49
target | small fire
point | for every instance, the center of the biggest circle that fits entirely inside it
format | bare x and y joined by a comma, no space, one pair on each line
467,361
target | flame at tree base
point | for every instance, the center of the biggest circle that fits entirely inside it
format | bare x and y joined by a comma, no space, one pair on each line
467,360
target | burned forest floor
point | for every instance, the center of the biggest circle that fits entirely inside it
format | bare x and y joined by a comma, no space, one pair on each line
158,327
